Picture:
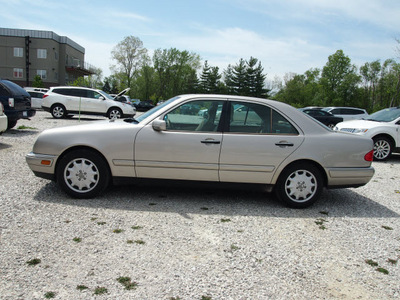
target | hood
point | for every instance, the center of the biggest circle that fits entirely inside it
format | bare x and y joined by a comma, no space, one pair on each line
123,92
365,124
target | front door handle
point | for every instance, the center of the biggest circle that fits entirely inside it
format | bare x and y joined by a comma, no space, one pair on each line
284,144
210,142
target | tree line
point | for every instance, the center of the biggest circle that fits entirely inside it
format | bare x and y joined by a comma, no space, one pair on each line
170,72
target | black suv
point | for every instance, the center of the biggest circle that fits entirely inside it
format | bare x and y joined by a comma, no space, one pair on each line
16,102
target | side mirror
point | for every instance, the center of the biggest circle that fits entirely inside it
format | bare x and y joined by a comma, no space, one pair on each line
102,98
159,125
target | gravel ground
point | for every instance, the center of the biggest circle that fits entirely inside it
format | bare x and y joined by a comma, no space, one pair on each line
191,243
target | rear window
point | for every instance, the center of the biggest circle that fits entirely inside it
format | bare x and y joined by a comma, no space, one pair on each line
13,88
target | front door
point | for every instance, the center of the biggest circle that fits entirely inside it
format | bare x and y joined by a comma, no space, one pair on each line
188,149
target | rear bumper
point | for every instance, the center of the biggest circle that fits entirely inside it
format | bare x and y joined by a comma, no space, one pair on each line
20,114
349,177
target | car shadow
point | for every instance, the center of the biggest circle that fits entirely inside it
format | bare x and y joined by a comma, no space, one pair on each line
20,132
187,200
5,146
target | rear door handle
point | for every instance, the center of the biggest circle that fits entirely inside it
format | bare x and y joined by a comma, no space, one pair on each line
210,142
284,144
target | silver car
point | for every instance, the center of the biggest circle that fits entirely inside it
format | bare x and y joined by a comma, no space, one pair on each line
237,140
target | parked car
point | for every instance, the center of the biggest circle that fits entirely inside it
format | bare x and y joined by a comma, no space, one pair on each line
16,102
121,97
3,119
143,105
323,116
62,101
347,113
383,127
36,98
282,149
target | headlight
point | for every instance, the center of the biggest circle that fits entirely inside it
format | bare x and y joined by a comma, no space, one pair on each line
360,130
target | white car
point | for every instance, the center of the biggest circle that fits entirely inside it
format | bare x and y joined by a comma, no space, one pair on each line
347,113
383,127
3,119
36,98
62,101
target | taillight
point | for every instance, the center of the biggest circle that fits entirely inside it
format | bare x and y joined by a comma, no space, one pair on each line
369,156
45,95
11,102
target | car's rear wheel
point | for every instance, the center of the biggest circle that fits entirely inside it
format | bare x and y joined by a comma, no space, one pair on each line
58,111
83,174
299,185
11,123
382,148
114,113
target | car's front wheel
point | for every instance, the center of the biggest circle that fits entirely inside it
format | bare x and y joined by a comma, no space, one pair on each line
58,111
83,174
382,148
114,113
299,185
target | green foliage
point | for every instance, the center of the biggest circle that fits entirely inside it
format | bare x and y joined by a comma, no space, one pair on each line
37,82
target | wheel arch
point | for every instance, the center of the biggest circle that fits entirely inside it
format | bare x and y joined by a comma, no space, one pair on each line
388,136
77,148
306,161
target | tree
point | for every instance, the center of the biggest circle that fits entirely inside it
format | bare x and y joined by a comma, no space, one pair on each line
37,82
210,79
130,55
340,80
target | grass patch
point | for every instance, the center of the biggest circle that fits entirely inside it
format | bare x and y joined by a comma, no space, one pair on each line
225,220
34,262
101,223
49,295
320,222
136,227
129,241
93,219
100,290
371,262
118,230
127,283
81,287
26,127
393,261
206,298
234,247
77,239
382,270
387,227
140,242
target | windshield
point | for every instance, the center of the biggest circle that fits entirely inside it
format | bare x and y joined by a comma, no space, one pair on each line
385,115
107,96
154,109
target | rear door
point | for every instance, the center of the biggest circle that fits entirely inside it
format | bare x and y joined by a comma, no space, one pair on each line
256,142
188,149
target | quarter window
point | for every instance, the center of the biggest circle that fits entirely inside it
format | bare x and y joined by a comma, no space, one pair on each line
18,73
18,52
202,116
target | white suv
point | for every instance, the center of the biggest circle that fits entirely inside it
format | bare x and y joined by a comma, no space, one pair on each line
347,113
383,127
62,101
3,119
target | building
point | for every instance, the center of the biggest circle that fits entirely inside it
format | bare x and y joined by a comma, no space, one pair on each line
24,54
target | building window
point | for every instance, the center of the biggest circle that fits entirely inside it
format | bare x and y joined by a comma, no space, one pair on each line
42,73
18,52
18,73
41,53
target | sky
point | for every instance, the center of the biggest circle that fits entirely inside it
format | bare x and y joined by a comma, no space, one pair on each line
286,36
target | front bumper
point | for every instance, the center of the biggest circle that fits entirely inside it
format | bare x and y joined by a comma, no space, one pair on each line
42,165
349,177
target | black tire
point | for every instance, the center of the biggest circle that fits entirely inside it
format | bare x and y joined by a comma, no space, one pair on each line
114,113
11,123
58,111
83,174
382,148
299,185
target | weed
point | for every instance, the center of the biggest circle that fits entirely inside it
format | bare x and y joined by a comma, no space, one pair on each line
100,290
240,231
323,212
174,298
127,283
93,219
382,270
320,222
206,298
136,227
34,262
81,287
151,204
77,239
101,223
139,242
49,295
234,247
67,221
129,241
204,208
393,261
387,227
118,230
225,220
371,262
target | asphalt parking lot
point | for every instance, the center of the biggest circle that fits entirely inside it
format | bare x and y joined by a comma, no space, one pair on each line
185,242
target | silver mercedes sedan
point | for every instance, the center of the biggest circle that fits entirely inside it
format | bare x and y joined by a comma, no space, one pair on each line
211,138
